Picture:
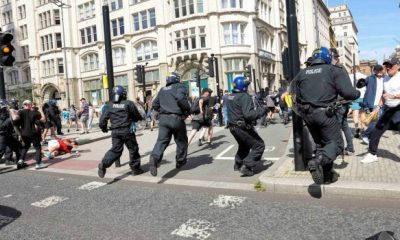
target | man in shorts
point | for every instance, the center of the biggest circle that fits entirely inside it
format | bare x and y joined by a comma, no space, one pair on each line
84,115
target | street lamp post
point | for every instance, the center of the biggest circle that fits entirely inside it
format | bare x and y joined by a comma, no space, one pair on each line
62,5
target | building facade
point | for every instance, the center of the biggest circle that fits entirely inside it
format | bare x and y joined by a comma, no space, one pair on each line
346,35
165,35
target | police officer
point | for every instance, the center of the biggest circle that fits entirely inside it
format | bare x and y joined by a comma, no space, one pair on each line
317,88
173,105
242,116
7,139
122,113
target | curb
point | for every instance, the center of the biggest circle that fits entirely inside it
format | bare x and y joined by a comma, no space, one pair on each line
307,185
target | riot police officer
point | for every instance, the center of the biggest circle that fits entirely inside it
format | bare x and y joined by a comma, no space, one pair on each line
242,116
317,88
122,113
173,106
7,139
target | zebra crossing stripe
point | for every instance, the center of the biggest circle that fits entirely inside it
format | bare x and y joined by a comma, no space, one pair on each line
92,185
224,201
50,201
195,228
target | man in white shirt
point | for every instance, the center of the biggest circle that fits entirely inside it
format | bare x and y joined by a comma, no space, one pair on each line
391,111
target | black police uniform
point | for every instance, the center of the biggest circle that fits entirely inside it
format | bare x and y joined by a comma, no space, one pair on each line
121,114
173,105
242,117
317,88
7,139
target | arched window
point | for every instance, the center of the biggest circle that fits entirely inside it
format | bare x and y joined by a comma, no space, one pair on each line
146,50
90,62
119,56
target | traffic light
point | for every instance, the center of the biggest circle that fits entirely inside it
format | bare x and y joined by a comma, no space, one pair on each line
6,49
247,72
139,73
210,67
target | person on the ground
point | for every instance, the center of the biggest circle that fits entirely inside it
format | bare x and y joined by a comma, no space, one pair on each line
343,110
73,118
121,112
60,147
29,123
356,105
202,118
316,89
173,105
84,115
8,141
390,118
242,118
373,98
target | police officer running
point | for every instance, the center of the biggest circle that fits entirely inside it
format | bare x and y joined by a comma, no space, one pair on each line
122,113
173,106
317,88
242,116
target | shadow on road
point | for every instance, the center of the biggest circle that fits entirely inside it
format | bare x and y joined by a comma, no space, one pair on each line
386,154
8,215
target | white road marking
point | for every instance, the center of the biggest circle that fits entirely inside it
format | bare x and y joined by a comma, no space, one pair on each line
50,201
7,196
60,179
36,186
269,148
224,201
92,185
195,228
4,220
220,156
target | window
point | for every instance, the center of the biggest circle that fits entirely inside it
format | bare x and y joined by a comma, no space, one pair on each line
187,7
119,56
48,67
60,65
23,31
87,10
27,73
7,17
93,91
142,20
235,64
57,17
188,39
90,62
345,34
232,3
122,81
25,52
21,12
58,40
233,33
45,19
47,42
13,76
146,51
117,26
116,4
88,35
152,76
136,1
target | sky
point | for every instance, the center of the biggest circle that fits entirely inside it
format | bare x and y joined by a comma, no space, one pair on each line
378,26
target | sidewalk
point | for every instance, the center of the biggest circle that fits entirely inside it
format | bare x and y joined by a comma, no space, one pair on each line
378,179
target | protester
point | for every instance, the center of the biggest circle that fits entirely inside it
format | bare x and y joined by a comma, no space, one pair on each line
92,111
60,147
73,118
84,115
356,104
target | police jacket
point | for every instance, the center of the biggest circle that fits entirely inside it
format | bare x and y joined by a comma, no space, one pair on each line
121,114
6,126
172,99
241,108
320,84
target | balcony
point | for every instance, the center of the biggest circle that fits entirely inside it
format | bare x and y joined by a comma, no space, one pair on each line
266,54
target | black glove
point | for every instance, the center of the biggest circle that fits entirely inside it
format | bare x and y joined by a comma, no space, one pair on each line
104,130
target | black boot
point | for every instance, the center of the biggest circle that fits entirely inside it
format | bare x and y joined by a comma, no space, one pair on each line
180,164
237,166
316,170
246,172
153,166
101,171
137,170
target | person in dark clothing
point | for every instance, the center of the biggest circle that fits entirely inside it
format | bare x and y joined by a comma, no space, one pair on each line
173,105
203,118
8,142
29,123
55,118
122,113
316,89
242,119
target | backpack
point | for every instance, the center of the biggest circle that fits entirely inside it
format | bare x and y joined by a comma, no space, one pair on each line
195,108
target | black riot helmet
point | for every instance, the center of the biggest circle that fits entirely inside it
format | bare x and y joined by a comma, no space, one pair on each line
173,78
14,103
3,107
119,93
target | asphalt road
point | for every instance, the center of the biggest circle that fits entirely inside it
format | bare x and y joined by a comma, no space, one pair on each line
40,205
